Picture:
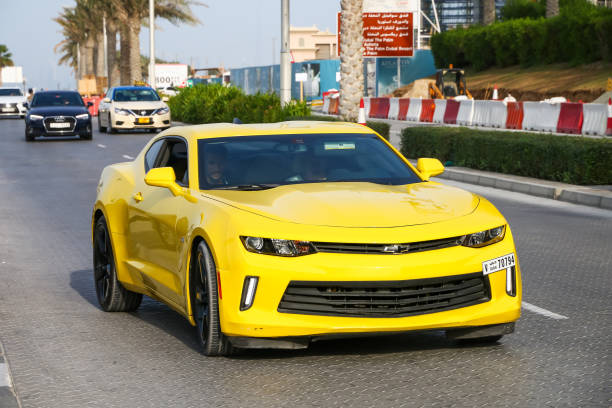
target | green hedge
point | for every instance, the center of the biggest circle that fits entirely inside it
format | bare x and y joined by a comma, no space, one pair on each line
381,128
582,33
569,159
217,103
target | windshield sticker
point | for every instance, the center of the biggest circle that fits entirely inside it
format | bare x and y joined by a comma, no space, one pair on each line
339,146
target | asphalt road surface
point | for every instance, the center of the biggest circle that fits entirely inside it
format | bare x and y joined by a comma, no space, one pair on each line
63,351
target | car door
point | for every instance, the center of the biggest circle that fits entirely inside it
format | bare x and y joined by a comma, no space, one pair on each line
153,217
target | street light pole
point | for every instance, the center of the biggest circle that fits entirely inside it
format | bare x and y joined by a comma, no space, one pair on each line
285,63
152,43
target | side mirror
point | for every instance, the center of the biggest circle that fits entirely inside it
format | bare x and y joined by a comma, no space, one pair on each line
429,167
106,100
165,99
26,105
89,104
163,177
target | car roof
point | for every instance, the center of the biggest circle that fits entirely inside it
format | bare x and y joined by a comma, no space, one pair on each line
130,87
57,92
213,130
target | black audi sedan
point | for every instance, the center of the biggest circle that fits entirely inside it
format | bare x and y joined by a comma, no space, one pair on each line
58,113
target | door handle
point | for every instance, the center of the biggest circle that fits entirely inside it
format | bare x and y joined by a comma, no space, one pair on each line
138,197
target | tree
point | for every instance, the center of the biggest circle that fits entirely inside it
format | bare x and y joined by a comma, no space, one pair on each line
488,12
552,8
351,58
131,14
5,57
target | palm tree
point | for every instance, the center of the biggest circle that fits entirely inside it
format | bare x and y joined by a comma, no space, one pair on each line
488,12
5,57
552,8
351,58
73,42
131,14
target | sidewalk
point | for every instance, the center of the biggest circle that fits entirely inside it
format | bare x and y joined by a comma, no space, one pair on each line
596,196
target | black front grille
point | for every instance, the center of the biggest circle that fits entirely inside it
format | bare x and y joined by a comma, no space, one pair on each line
385,298
48,121
348,248
144,112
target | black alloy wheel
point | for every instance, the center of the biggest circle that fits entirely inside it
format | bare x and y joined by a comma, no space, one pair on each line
205,304
88,135
112,296
28,136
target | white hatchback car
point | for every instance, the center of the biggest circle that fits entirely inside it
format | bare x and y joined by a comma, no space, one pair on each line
132,107
12,102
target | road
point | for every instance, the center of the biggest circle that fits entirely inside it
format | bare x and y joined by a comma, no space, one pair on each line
63,351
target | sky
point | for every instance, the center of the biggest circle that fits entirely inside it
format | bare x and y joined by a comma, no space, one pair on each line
233,33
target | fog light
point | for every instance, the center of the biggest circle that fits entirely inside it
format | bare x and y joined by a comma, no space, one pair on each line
248,292
511,281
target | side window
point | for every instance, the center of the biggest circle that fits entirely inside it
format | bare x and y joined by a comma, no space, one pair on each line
151,155
174,154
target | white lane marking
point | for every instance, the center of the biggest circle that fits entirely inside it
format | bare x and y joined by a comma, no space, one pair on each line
102,146
543,312
5,380
125,156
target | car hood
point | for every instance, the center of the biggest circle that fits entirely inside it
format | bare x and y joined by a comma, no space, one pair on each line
139,105
354,205
12,99
58,110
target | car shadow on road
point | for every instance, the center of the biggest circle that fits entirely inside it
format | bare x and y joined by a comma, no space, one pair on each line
162,317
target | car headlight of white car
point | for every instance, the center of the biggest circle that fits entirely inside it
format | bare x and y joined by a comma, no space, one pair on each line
162,111
124,112
83,116
35,117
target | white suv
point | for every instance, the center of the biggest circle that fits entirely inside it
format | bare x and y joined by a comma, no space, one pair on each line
12,102
132,107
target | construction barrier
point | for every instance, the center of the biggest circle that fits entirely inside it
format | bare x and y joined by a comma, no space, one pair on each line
498,114
382,110
514,115
374,102
366,106
466,112
95,100
541,116
482,113
333,106
438,116
428,107
326,100
393,108
609,126
414,110
570,118
404,104
452,109
594,119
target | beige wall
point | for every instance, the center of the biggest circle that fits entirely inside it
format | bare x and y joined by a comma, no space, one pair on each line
308,43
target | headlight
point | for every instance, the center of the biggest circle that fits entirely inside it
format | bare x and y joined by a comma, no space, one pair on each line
124,112
484,238
35,117
279,247
162,111
83,116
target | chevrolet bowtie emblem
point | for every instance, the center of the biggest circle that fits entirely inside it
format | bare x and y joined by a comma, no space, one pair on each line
396,249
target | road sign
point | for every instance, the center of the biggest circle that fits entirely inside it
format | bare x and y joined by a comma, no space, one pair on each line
301,77
11,75
387,35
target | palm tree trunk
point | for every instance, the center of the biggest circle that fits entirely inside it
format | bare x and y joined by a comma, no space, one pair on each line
552,8
351,58
99,55
89,55
124,62
488,12
134,23
113,68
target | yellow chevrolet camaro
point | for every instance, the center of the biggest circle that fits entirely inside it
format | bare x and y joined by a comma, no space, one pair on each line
275,235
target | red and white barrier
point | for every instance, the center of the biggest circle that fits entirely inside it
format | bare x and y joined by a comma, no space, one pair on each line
438,116
482,113
414,110
498,112
609,126
595,117
404,104
570,118
515,113
541,116
326,100
393,108
466,112
366,106
428,108
452,110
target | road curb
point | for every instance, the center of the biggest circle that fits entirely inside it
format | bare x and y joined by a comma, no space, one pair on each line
573,194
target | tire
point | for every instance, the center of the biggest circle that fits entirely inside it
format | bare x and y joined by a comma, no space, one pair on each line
101,129
112,296
28,138
110,127
205,303
88,135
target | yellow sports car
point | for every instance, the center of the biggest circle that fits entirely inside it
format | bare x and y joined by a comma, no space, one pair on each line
274,235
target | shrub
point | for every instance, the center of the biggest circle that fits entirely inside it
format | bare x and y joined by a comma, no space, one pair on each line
569,159
217,103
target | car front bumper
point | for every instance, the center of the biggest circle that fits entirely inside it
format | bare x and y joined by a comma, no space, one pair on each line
132,122
264,320
12,110
36,128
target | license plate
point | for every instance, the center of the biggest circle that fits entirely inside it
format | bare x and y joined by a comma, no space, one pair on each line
8,109
144,120
497,264
59,125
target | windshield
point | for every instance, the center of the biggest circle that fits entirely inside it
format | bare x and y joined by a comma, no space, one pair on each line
259,162
57,99
10,92
135,95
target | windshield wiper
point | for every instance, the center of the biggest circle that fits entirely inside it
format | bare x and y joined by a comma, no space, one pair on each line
248,187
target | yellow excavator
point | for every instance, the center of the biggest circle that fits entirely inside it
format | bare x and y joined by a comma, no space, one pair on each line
450,82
